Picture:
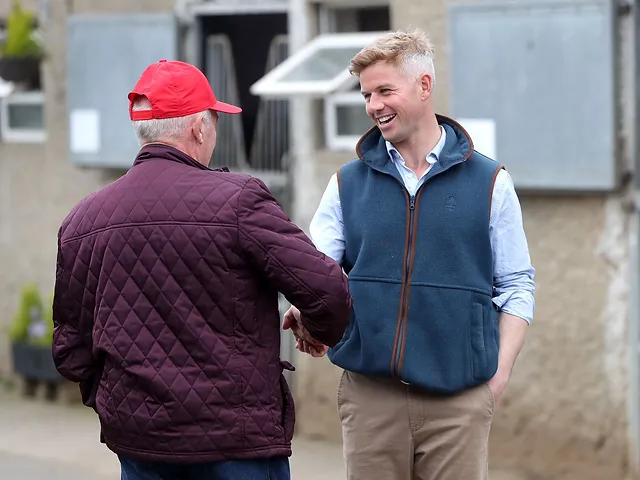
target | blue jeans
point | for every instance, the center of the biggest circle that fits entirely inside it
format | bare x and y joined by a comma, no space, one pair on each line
275,468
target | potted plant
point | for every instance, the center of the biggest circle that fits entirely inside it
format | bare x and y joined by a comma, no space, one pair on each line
21,54
31,334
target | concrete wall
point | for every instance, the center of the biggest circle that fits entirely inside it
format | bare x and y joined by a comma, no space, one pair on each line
564,415
5,6
38,184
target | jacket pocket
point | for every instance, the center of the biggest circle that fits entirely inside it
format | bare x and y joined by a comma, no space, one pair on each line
89,388
477,341
288,407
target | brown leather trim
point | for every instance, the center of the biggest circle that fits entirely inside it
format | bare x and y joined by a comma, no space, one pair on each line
444,119
441,119
404,286
493,184
413,262
367,133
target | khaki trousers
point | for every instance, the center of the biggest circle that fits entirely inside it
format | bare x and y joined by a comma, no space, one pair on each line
392,431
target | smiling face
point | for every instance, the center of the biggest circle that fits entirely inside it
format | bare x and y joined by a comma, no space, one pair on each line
396,102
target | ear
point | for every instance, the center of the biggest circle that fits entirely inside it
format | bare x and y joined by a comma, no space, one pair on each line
197,130
426,85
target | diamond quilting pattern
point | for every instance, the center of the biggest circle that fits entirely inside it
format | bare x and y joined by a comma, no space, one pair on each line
166,301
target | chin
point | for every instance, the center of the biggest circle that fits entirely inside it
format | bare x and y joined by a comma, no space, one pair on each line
389,136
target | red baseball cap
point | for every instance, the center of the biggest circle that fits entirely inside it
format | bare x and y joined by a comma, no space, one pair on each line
175,89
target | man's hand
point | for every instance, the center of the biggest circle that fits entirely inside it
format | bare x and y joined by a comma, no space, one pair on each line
304,342
512,333
497,385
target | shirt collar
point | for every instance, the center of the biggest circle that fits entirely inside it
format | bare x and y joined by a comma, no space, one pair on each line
433,155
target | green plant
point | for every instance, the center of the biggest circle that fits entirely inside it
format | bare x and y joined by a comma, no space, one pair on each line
30,310
20,41
47,318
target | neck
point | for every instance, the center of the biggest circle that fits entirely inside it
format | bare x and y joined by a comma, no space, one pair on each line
178,145
414,150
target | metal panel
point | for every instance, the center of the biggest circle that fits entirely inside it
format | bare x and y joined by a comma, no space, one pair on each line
543,72
106,55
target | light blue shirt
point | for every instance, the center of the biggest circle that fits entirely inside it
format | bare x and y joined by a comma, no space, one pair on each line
513,274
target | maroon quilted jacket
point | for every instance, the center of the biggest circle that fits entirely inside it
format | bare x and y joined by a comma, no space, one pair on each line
166,310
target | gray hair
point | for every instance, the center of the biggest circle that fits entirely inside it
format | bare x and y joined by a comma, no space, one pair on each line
148,131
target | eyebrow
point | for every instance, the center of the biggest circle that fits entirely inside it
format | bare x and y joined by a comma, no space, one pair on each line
379,87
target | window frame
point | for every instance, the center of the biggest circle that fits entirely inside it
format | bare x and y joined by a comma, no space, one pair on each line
272,84
333,139
21,135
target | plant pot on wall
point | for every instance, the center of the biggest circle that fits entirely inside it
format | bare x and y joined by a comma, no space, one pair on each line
22,52
31,335
34,362
24,71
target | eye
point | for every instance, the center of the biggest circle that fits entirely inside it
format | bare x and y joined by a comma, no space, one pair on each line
385,91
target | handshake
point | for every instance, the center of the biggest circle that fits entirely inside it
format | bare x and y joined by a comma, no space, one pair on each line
305,342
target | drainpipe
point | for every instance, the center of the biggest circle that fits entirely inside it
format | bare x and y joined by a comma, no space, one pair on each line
189,33
301,155
634,290
44,11
301,126
181,10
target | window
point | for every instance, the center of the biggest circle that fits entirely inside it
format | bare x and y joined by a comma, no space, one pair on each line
345,120
22,117
344,113
339,19
317,69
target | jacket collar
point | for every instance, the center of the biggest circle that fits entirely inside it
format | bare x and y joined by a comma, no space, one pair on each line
153,151
458,147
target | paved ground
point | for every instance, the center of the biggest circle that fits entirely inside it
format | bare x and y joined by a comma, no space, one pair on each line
19,467
39,440
42,441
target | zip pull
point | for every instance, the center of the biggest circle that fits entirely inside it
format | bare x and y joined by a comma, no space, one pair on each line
412,202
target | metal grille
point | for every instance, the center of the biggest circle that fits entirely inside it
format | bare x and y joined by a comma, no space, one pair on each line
271,138
220,70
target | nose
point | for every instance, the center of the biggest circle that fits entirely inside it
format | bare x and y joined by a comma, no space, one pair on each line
374,105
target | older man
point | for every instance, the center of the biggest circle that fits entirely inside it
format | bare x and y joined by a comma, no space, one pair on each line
166,299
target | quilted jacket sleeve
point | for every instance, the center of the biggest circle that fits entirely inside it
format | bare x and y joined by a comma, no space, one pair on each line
73,321
310,280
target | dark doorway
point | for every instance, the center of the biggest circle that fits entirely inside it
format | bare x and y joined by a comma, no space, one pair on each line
250,37
374,19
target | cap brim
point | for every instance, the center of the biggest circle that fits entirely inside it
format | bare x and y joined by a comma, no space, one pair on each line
226,108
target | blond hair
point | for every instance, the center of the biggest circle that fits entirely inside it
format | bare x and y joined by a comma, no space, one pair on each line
412,51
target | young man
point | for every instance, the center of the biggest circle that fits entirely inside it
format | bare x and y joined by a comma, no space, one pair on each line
430,234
